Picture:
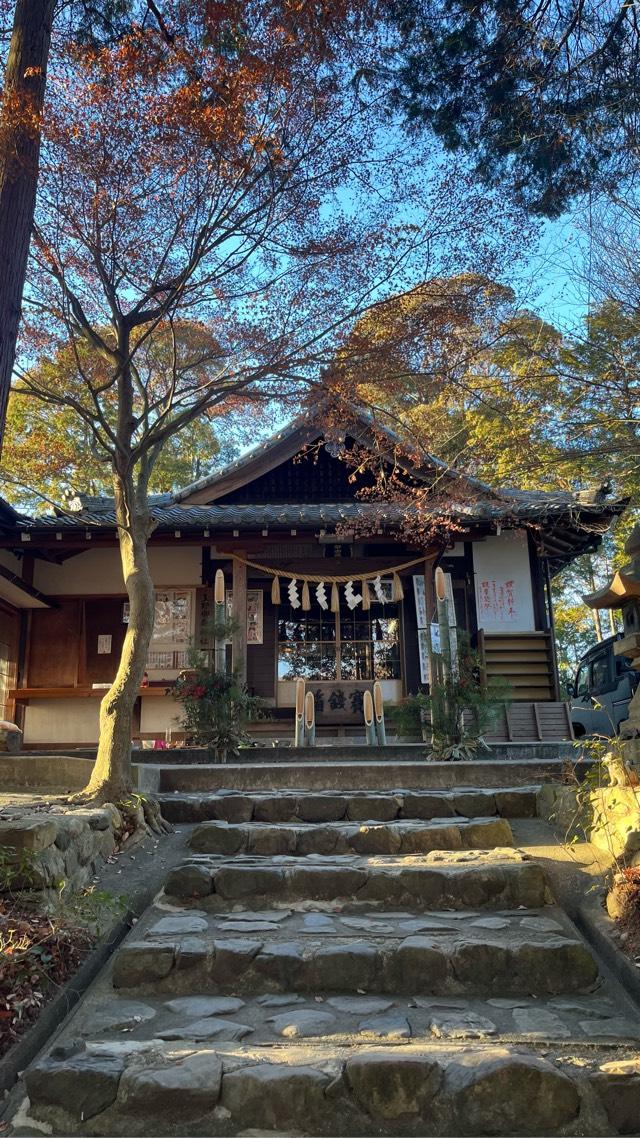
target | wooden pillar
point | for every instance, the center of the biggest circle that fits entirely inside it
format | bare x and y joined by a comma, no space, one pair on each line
239,637
552,632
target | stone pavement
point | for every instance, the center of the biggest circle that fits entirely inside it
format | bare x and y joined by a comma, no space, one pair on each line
348,963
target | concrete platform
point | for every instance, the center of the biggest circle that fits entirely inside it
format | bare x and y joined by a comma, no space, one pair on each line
344,775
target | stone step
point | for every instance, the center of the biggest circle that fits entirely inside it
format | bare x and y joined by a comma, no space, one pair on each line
128,1088
344,773
457,879
344,838
353,751
318,952
289,805
268,1018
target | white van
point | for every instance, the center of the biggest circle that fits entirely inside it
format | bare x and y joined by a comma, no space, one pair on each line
607,680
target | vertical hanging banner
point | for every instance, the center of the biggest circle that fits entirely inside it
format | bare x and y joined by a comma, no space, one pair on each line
421,617
255,617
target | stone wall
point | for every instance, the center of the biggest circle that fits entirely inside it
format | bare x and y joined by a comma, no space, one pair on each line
57,847
615,825
608,816
44,772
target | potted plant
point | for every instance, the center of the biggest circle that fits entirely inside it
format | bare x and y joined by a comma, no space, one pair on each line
217,706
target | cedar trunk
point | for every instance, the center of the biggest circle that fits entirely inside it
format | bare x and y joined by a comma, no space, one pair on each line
111,779
20,128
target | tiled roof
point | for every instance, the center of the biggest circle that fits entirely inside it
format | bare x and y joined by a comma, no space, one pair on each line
521,506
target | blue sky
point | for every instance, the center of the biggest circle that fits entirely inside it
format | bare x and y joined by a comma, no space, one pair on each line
552,277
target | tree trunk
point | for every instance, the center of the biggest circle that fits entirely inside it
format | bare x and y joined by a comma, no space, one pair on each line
595,613
111,779
20,129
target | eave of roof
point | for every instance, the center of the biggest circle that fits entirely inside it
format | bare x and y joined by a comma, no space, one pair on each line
307,429
8,514
20,594
228,516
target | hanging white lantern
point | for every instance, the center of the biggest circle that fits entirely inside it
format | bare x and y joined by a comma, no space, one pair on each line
352,599
321,596
294,597
378,590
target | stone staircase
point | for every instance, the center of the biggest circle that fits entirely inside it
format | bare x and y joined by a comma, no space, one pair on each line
340,961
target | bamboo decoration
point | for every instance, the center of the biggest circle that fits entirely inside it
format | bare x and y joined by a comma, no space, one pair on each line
378,710
309,720
306,599
442,608
369,719
397,593
220,654
299,737
366,595
335,598
275,591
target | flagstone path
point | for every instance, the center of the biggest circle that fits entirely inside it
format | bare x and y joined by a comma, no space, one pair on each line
348,963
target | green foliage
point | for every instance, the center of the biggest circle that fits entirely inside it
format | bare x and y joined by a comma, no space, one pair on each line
543,97
96,910
464,711
601,752
50,451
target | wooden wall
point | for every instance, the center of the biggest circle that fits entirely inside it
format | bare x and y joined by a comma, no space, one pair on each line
9,634
102,617
54,646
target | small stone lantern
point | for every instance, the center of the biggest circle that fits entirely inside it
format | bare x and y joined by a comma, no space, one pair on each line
623,592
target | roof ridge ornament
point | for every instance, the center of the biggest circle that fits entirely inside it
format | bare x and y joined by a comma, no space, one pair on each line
334,441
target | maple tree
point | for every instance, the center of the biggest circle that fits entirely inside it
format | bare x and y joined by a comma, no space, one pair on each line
219,165
460,370
457,369
53,455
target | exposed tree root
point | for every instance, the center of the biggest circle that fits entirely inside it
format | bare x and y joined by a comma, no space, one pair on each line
141,814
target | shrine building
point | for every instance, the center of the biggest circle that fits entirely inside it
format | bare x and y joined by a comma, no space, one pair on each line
330,590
